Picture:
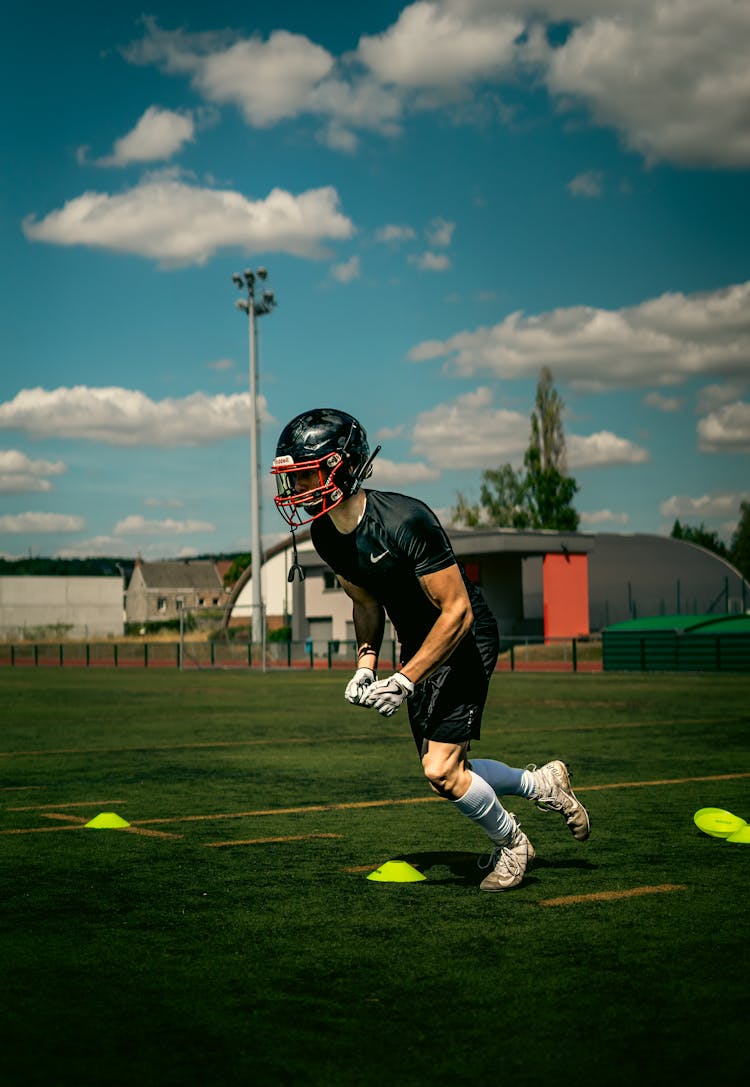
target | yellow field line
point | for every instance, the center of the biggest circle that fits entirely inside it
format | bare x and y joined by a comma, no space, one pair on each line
610,896
662,781
285,811
362,804
266,841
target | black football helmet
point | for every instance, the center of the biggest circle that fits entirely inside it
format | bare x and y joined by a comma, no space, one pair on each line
322,457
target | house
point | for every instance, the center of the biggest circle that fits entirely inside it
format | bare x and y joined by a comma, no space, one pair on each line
158,590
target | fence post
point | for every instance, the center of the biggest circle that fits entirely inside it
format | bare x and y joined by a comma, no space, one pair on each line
289,653
330,657
512,657
115,661
574,648
145,654
36,655
312,657
88,655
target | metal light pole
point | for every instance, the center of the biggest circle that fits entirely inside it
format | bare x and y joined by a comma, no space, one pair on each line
255,305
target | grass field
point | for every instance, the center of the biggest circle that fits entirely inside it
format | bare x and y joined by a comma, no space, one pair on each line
231,936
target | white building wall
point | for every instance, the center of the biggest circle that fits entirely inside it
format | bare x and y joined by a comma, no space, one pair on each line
78,607
320,603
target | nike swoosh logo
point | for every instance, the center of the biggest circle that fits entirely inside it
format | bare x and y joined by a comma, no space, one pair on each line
377,558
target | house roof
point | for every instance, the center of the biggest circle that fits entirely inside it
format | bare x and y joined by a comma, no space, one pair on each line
199,574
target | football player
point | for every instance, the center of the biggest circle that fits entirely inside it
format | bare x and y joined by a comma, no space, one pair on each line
392,557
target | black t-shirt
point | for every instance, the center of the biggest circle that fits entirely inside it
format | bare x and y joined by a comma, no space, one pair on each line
398,540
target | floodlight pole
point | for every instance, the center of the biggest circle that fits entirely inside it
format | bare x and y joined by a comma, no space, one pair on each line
255,307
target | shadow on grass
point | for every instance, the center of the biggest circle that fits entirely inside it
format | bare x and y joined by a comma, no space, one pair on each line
464,867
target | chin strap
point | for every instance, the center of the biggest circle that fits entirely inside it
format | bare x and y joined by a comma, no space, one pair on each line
366,468
295,567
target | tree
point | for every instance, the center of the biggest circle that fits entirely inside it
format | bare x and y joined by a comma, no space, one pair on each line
542,495
700,535
739,549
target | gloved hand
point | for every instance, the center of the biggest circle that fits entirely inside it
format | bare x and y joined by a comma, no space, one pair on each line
386,695
360,682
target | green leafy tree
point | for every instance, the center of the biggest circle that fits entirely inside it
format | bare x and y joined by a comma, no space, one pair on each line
739,549
541,495
700,535
237,568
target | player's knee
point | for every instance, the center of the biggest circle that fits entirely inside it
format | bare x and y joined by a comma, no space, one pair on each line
438,773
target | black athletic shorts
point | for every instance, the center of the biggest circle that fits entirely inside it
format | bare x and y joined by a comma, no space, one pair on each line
447,707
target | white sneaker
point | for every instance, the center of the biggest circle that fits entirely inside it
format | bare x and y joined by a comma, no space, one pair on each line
552,792
508,860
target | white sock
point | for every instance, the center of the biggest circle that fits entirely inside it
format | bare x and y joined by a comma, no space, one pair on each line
480,804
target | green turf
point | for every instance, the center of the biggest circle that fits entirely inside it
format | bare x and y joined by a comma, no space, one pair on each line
142,960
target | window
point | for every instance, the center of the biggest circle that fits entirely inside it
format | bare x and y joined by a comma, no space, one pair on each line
161,603
330,581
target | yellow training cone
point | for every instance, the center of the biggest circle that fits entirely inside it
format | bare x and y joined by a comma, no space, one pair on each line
108,821
396,872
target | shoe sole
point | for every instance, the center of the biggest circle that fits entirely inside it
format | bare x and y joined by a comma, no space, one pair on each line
578,837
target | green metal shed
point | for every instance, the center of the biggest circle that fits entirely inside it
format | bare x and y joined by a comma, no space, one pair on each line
678,643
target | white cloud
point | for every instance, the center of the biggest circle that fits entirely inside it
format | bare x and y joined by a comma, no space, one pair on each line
604,517
470,432
672,76
675,336
667,404
137,525
726,430
347,271
603,449
438,45
127,417
389,473
21,475
431,262
178,224
394,233
718,504
285,77
16,523
586,184
711,397
267,80
158,135
439,233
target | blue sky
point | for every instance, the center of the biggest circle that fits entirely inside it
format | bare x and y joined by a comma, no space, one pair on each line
447,195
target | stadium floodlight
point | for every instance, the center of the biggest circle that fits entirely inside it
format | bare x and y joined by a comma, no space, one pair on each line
255,307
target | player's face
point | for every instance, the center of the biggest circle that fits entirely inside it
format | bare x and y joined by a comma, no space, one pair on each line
306,481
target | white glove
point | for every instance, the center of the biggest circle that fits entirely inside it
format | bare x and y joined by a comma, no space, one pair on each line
362,679
386,695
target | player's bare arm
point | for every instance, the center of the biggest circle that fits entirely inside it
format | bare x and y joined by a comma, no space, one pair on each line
446,590
369,622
